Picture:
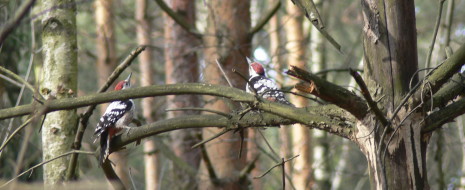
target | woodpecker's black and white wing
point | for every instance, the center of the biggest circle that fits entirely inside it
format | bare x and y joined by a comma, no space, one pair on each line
267,89
114,112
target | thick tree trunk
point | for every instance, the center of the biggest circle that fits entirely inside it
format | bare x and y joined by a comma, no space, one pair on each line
226,40
106,63
59,80
301,138
182,67
390,63
143,30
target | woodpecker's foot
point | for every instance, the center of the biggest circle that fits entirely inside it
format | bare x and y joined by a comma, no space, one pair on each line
128,130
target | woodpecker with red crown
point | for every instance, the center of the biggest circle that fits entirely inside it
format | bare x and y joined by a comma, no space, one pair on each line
117,116
262,85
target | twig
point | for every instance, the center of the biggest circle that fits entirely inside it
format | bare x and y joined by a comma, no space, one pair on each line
132,180
224,73
211,138
179,19
209,165
15,132
262,21
436,28
201,109
246,80
47,161
17,78
279,164
325,71
4,77
283,174
368,98
248,168
85,117
14,21
268,144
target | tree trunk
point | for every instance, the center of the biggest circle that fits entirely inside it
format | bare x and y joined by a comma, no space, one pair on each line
390,63
106,63
143,30
59,80
277,61
296,47
226,40
182,67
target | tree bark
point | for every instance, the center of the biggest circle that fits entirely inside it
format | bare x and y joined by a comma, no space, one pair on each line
106,63
182,67
226,40
390,63
59,80
143,30
301,138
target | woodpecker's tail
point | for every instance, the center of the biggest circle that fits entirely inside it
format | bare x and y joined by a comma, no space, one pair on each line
104,147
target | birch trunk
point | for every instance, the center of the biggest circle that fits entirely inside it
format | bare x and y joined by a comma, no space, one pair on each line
59,80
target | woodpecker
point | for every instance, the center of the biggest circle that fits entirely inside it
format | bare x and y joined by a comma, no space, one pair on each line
262,85
117,116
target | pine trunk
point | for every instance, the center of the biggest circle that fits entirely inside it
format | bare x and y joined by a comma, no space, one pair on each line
182,67
143,30
59,80
227,41
301,138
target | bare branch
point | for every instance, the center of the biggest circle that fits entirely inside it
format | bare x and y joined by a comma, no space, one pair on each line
45,162
111,176
366,94
330,92
436,29
279,164
262,21
178,19
14,21
446,114
442,74
17,78
209,165
85,117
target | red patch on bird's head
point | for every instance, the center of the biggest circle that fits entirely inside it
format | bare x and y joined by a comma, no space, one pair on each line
258,68
120,85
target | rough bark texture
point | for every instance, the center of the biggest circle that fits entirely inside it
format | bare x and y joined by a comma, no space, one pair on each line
226,40
390,62
182,67
296,47
59,80
143,30
106,63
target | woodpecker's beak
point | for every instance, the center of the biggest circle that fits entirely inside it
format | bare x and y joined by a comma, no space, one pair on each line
128,80
249,60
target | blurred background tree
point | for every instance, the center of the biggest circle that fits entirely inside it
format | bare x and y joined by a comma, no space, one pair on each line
215,30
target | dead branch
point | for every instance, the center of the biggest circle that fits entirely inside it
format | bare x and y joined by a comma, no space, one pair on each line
368,98
263,20
179,19
15,20
85,117
330,92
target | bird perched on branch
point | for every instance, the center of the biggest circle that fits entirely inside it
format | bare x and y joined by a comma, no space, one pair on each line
117,116
262,85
